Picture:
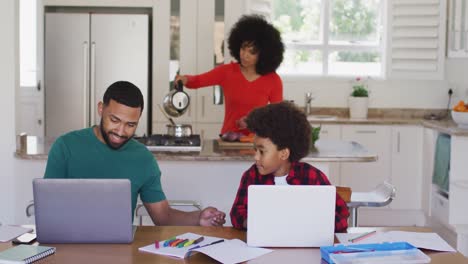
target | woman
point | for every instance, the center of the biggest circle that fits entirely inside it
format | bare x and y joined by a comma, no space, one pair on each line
251,81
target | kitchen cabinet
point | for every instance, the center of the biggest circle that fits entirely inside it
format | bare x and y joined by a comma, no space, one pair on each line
363,177
331,132
30,108
406,170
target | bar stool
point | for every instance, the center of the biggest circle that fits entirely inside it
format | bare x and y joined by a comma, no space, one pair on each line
382,195
140,210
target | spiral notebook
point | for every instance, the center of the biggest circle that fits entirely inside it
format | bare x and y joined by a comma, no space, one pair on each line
25,254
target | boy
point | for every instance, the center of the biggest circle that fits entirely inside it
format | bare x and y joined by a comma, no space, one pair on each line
282,138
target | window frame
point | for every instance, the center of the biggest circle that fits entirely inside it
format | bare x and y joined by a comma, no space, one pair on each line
324,46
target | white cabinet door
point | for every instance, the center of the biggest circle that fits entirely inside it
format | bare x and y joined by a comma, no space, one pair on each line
331,132
30,108
406,167
363,177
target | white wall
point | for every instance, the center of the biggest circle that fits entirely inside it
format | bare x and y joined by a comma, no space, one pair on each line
457,77
333,92
8,78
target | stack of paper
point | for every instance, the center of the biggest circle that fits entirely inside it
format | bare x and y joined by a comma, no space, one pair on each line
422,240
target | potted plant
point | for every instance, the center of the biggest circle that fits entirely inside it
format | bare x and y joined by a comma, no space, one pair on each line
359,100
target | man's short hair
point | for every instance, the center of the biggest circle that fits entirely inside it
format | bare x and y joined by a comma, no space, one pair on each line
125,93
285,125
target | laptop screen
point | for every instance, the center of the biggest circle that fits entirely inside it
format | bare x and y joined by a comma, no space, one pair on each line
83,210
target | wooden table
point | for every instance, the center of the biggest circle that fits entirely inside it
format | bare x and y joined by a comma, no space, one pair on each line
128,253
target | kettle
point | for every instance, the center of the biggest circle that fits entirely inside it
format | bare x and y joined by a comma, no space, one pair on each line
176,102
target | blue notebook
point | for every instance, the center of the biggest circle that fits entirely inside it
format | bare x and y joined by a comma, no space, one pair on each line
25,254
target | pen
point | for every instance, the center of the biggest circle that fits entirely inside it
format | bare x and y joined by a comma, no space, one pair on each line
362,236
212,243
193,242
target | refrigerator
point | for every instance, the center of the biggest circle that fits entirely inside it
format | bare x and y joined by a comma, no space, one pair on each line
84,54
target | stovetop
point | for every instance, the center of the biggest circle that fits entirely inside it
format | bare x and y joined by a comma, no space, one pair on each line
160,142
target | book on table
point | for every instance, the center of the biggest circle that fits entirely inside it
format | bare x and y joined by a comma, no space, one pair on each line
222,250
25,254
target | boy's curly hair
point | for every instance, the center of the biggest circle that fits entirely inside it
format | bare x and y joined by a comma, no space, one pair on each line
285,125
264,37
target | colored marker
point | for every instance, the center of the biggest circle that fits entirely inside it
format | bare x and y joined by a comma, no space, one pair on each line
156,244
361,237
181,243
168,241
174,242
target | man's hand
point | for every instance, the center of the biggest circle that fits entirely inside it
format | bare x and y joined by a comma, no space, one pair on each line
210,216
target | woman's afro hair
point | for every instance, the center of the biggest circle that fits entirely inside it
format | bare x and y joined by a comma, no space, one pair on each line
255,30
285,125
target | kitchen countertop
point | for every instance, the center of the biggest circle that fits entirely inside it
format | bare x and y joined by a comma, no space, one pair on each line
326,151
447,126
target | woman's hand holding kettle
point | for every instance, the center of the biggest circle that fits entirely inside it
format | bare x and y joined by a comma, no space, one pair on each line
182,78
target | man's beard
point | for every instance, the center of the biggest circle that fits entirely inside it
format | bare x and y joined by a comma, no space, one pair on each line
105,136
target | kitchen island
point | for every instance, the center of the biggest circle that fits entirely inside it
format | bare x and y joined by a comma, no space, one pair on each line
210,177
325,150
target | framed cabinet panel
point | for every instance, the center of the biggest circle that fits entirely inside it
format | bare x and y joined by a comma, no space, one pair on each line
363,177
406,170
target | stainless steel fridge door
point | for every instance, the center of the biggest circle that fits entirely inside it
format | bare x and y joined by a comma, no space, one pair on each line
66,72
119,51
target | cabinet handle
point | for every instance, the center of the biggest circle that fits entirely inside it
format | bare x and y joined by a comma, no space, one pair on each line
366,131
39,86
39,121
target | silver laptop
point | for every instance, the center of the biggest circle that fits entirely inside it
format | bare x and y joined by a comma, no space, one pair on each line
83,210
291,215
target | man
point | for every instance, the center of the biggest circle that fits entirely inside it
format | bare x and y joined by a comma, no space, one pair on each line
108,151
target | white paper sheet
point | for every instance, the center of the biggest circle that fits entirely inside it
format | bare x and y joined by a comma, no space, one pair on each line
229,251
8,232
422,240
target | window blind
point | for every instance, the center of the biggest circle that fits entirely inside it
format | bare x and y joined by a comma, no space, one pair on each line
416,39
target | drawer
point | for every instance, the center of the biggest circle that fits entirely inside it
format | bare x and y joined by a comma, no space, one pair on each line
439,207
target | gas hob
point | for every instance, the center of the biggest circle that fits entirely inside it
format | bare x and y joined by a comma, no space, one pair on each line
160,142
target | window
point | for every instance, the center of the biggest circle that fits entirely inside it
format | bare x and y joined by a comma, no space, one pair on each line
330,37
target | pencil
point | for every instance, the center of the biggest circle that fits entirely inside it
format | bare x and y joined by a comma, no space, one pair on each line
362,236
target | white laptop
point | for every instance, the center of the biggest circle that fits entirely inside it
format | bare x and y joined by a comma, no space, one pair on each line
83,210
291,215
